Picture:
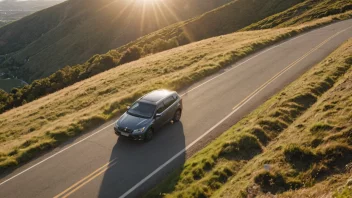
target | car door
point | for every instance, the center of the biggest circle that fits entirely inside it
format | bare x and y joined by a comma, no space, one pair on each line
159,121
170,108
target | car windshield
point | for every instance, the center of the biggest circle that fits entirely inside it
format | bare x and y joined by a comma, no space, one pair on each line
141,109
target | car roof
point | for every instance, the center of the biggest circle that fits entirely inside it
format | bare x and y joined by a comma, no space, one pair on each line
156,96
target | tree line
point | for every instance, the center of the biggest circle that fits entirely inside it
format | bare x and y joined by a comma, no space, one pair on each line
71,74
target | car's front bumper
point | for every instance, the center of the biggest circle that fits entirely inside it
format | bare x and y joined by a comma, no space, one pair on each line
132,136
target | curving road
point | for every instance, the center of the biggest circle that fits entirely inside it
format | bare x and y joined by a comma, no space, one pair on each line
98,164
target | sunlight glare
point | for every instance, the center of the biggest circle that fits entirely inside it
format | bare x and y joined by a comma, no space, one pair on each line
147,1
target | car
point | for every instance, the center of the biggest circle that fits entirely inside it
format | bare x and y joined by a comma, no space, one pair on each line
148,114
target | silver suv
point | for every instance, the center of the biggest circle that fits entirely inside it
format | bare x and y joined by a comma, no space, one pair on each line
148,114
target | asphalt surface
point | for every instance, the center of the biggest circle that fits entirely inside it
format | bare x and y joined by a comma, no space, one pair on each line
76,169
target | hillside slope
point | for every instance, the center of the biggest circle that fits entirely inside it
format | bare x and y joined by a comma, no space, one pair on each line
314,153
29,5
73,31
236,14
300,13
12,10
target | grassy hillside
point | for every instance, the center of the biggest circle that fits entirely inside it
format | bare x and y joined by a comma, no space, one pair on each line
42,124
315,151
303,12
242,15
171,37
75,30
297,144
228,19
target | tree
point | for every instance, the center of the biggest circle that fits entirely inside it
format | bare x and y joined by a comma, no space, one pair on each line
132,54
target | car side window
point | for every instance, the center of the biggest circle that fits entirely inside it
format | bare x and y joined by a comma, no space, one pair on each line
161,109
169,101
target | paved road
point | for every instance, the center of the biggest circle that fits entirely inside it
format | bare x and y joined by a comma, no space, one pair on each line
81,167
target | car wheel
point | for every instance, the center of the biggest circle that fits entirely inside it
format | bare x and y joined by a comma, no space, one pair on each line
177,116
148,135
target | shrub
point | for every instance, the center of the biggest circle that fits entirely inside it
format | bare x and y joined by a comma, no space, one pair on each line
131,54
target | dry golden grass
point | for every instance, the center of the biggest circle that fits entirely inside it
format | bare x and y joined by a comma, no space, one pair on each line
42,124
326,125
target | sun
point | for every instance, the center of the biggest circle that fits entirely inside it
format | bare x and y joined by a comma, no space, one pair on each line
148,1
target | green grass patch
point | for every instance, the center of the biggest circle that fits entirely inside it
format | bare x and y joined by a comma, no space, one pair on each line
345,193
321,127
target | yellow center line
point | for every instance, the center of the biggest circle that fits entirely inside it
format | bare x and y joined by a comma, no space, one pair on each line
84,183
287,68
93,174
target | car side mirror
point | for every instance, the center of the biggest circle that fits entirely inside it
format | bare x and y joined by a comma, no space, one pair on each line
158,115
128,107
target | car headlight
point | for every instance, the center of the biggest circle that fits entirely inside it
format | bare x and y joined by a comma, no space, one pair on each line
139,130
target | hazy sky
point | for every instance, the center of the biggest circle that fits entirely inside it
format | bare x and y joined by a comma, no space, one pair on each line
29,0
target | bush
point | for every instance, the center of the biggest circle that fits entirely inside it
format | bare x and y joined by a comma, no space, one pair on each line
131,54
100,64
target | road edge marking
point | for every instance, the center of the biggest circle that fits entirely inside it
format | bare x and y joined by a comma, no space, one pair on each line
291,65
59,152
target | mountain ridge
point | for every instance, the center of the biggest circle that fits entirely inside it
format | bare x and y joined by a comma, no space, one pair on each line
69,37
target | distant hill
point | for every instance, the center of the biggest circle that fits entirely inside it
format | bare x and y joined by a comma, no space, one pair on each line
223,20
71,32
27,5
12,10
